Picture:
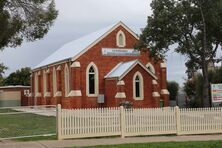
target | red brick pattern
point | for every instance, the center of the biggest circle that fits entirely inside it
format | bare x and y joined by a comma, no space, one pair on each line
108,87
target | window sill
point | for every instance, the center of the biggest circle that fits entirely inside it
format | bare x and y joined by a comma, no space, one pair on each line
58,94
92,95
47,94
75,93
38,94
138,99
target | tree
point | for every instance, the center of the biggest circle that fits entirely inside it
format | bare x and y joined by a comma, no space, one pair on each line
2,69
25,20
193,87
20,77
173,88
192,26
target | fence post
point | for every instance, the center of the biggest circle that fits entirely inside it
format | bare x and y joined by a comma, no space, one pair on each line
58,121
122,121
178,127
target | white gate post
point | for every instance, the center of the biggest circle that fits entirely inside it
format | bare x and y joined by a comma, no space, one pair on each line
178,125
122,121
58,121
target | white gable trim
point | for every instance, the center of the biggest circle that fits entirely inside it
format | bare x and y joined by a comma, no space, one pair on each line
103,36
128,70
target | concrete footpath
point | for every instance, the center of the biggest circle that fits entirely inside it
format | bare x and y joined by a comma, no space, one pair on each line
105,141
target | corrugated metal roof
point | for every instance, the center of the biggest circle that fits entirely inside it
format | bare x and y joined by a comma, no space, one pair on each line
74,48
120,69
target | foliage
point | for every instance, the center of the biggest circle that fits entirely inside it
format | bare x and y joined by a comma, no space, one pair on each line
192,26
126,104
2,69
20,77
173,88
25,20
193,87
189,88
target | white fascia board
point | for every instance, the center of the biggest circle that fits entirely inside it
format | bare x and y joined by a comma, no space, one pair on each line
137,62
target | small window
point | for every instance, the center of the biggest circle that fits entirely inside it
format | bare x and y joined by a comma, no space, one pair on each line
138,86
137,81
36,83
44,81
67,89
54,85
121,39
91,81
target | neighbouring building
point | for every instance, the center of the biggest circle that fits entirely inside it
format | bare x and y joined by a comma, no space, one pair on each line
101,69
14,96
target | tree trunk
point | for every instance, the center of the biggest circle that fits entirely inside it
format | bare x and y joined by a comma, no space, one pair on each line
206,85
206,96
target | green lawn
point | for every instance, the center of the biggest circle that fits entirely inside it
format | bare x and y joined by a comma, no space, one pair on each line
190,144
7,110
26,124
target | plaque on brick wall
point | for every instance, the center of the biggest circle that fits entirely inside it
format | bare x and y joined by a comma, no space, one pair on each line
119,52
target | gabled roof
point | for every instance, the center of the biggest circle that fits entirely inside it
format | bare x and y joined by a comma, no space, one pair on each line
77,47
121,69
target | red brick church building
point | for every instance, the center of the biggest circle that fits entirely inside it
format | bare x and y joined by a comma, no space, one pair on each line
101,69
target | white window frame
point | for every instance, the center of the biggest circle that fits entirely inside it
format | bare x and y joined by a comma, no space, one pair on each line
150,67
118,39
141,86
96,80
67,83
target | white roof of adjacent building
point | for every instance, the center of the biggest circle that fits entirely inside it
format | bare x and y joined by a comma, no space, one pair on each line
121,69
77,47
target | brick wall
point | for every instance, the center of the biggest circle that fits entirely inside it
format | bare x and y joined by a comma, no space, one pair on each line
105,64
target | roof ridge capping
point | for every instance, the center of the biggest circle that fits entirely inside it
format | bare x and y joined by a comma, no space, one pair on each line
76,48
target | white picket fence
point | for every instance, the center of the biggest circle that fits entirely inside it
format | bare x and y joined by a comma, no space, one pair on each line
200,120
80,123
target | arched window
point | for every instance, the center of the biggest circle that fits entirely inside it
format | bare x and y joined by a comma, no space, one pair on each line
36,83
138,92
92,80
44,82
54,86
150,67
120,39
137,86
66,75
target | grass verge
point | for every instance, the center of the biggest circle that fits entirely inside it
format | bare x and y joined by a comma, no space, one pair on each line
188,144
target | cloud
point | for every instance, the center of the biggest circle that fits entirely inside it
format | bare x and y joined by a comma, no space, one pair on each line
80,17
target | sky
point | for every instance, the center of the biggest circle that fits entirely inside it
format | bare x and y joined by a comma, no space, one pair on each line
80,17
